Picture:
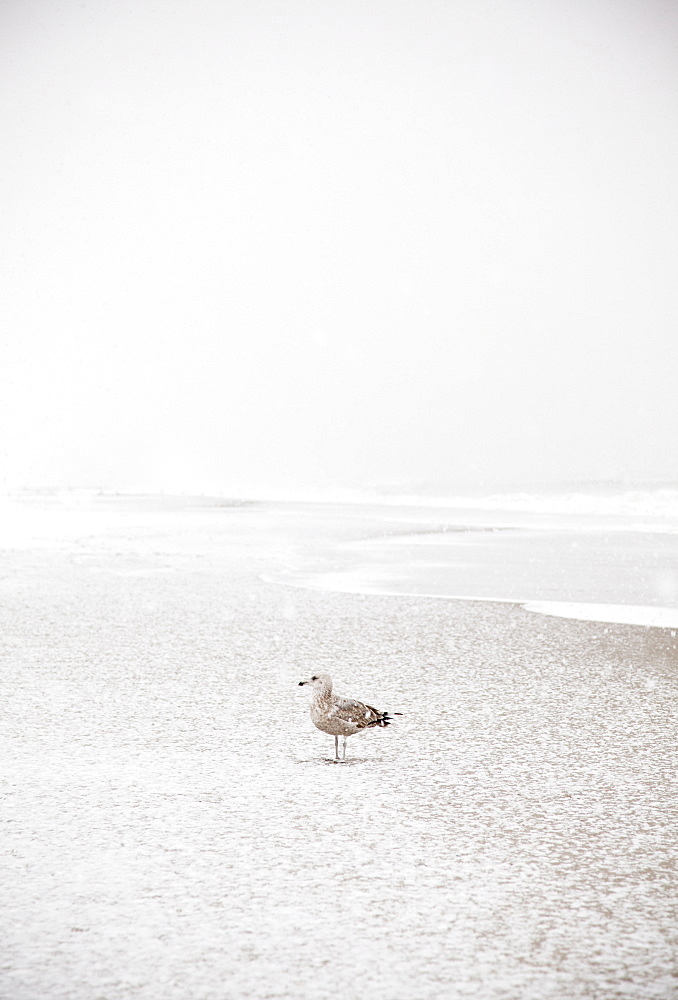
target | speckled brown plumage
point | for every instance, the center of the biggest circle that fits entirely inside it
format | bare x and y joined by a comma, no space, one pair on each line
341,716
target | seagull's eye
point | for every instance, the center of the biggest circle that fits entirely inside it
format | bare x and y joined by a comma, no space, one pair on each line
314,678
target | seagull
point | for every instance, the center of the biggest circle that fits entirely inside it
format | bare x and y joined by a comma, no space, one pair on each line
341,716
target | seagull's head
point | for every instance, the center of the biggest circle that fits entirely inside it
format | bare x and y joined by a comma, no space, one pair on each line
318,681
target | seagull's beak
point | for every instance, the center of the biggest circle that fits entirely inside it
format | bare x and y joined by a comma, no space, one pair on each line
301,683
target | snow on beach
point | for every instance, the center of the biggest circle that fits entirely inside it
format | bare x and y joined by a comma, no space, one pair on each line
173,826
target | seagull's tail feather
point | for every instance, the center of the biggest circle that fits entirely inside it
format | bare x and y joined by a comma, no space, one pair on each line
382,719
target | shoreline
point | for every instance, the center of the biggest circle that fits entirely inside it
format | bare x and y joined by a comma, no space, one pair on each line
605,614
387,549
614,576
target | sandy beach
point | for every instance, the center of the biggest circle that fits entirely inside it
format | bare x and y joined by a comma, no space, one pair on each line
174,828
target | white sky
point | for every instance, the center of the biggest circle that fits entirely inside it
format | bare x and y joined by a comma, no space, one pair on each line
256,244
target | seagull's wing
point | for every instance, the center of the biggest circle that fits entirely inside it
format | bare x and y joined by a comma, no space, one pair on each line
358,713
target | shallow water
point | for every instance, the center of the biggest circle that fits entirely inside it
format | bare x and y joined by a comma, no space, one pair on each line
581,565
518,565
173,827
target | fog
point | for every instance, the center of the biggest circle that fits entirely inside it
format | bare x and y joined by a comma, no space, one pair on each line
267,246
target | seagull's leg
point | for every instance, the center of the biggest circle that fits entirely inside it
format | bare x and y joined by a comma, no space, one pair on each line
336,748
345,738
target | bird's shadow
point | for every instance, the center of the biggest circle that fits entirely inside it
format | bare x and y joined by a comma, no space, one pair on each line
331,760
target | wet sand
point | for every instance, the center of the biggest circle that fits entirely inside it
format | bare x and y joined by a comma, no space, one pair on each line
174,828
